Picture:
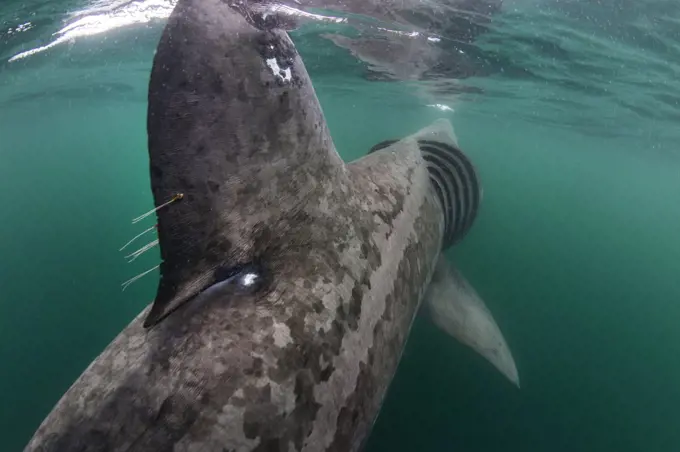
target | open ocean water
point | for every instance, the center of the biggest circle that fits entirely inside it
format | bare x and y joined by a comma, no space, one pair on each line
573,121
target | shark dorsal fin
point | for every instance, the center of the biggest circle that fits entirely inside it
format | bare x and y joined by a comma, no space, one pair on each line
235,127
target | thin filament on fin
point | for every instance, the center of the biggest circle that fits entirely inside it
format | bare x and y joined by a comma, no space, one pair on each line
177,197
127,283
138,236
134,255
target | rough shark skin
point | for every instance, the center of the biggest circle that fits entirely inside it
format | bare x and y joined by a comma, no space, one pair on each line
302,360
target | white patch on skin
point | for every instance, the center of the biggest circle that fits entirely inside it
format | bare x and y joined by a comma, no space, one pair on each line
281,335
285,75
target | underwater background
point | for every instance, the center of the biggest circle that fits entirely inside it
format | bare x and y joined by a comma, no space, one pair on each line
573,123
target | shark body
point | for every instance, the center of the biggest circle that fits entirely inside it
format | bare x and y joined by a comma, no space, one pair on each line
289,279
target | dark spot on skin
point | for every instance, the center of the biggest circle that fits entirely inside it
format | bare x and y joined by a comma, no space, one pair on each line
270,445
376,332
242,93
355,307
256,369
257,140
285,111
318,306
340,314
262,234
302,383
160,362
238,401
297,328
335,335
260,418
400,199
305,406
295,355
213,186
342,439
200,149
251,429
257,396
217,85
354,418
389,307
326,373
172,421
372,253
364,250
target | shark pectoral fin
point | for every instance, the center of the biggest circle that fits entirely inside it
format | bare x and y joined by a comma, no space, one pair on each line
456,308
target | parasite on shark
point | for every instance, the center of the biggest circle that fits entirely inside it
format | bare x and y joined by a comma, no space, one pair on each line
289,279
135,254
176,197
133,239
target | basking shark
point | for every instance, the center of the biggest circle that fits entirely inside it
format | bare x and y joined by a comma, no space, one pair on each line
289,278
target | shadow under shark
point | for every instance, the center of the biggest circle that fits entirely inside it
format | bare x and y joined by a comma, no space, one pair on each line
289,279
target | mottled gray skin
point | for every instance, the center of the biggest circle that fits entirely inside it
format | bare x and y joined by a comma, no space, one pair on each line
302,363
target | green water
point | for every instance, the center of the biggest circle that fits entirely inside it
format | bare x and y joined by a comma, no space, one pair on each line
575,250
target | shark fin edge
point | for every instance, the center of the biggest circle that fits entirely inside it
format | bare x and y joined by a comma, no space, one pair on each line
457,309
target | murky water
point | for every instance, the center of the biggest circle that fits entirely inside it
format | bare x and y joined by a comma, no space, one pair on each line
568,108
